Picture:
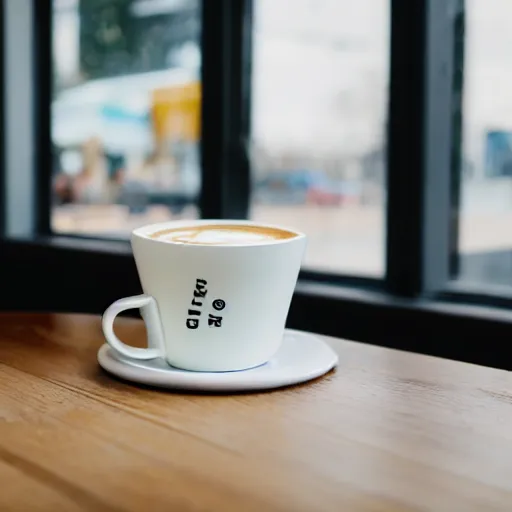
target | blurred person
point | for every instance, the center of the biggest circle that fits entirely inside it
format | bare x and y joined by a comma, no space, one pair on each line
66,165
94,185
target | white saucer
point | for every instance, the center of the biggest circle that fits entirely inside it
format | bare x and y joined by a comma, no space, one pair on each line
302,357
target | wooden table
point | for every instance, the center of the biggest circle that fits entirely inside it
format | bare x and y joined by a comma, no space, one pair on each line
388,431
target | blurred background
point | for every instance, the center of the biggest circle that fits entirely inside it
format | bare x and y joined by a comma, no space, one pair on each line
126,124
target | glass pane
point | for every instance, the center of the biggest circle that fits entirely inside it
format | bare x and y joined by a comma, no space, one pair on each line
485,227
125,113
320,94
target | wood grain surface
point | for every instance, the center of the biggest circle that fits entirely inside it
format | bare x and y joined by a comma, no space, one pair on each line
387,431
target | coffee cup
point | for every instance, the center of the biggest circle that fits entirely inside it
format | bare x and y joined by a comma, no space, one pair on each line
216,293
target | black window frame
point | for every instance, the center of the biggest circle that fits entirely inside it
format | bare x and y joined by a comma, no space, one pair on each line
416,307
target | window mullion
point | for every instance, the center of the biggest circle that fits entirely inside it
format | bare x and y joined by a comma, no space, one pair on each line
225,77
43,80
423,113
442,146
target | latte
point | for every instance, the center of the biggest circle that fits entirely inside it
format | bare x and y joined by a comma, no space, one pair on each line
222,234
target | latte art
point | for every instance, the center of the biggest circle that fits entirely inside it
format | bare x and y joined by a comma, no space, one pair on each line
222,234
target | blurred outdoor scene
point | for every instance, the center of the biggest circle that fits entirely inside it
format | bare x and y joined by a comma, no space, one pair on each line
125,113
126,123
127,106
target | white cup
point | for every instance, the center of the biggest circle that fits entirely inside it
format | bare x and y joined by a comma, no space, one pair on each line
210,307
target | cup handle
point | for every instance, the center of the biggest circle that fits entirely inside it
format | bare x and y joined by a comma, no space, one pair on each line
149,312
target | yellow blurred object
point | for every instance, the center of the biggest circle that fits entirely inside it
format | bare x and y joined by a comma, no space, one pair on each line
176,112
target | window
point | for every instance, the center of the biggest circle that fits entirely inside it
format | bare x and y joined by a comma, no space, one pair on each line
380,129
318,132
320,82
125,114
485,240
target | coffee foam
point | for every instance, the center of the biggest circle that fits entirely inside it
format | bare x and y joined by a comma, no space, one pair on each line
222,234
